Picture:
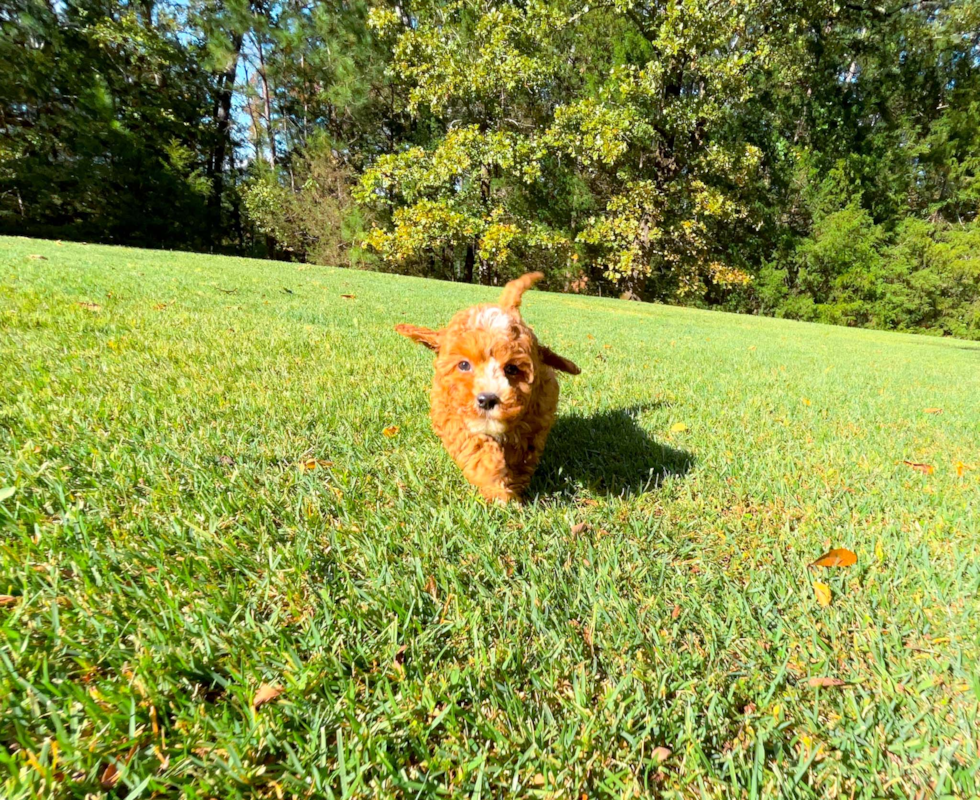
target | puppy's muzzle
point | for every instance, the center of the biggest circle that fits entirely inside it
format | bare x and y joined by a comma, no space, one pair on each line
486,401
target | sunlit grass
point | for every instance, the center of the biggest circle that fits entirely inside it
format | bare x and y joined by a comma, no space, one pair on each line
198,499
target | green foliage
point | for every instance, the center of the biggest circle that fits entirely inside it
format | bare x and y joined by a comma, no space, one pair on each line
102,128
317,221
197,498
763,158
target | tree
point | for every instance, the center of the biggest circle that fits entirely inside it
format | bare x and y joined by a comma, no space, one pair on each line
605,132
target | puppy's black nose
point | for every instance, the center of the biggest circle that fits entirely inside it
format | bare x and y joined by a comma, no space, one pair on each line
486,401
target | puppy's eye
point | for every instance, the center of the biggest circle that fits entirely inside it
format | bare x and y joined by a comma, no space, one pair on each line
511,371
464,366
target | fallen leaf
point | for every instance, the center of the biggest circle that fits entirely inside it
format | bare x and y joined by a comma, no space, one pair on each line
538,780
91,306
348,296
839,557
678,427
676,612
109,777
577,529
7,492
314,463
807,402
8,600
825,682
431,588
226,461
961,470
822,590
37,257
391,430
925,469
160,306
932,411
266,694
660,754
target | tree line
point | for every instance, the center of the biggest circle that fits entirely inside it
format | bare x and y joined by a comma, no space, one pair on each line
812,159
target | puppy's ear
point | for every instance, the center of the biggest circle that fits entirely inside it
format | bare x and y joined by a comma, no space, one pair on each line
424,336
552,359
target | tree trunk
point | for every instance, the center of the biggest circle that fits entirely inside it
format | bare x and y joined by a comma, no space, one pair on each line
469,262
267,97
222,116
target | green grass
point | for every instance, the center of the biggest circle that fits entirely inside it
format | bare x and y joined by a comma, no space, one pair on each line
169,553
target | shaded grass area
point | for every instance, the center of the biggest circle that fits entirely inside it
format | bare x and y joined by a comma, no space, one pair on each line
198,499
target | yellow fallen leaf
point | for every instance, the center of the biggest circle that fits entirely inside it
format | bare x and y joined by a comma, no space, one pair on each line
806,402
266,694
822,591
391,430
962,469
839,557
932,411
678,427
826,683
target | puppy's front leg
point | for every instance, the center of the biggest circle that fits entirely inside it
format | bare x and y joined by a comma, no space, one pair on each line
485,466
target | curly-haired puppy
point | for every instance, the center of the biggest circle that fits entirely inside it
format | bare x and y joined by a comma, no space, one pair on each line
495,393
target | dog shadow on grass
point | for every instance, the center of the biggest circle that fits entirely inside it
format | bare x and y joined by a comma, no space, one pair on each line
607,453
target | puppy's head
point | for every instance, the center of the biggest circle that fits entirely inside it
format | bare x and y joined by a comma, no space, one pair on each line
488,362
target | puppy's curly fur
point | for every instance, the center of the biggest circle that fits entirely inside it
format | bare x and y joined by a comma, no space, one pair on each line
494,394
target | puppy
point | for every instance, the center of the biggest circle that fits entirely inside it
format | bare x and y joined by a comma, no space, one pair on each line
495,393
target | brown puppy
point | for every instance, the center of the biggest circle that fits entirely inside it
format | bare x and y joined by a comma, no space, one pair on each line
495,393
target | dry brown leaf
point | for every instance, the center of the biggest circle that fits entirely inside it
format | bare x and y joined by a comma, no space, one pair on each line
676,612
839,557
579,528
431,588
109,777
822,591
661,754
266,694
91,306
588,501
825,682
932,411
8,600
348,296
37,257
925,469
391,430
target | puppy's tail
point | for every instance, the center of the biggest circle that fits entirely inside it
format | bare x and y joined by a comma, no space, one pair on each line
511,295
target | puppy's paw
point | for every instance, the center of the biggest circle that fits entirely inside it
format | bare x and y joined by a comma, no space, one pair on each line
501,495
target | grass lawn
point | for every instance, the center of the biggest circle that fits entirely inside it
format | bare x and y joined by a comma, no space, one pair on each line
200,497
